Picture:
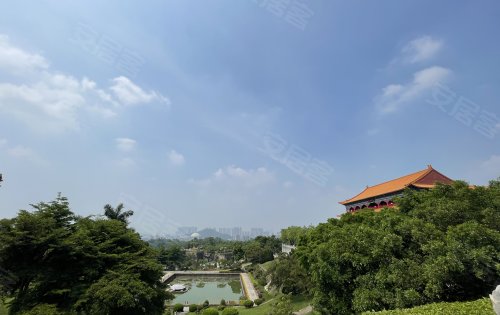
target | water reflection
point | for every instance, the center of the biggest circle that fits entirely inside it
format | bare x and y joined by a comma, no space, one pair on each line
211,288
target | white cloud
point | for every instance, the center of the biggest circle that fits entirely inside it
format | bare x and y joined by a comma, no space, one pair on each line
176,158
20,152
233,175
125,144
16,60
394,96
125,162
48,100
54,100
131,94
421,49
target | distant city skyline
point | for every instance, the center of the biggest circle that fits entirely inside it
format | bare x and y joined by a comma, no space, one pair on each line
233,233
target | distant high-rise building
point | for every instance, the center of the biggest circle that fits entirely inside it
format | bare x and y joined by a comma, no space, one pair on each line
226,231
254,232
236,233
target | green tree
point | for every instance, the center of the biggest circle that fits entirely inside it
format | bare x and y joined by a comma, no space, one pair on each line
172,257
440,245
238,252
282,305
178,307
292,235
289,276
255,253
117,213
32,251
68,263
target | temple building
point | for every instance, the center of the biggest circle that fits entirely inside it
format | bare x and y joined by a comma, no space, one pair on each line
382,195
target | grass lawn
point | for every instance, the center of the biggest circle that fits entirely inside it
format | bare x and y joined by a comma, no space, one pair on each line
268,264
479,307
298,302
3,309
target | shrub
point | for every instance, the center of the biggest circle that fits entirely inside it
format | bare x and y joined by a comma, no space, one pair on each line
193,308
210,311
206,304
178,307
259,301
248,304
230,311
482,306
43,309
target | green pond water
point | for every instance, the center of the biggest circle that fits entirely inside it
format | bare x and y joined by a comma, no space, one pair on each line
211,288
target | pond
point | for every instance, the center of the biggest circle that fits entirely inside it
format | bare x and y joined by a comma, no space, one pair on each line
212,288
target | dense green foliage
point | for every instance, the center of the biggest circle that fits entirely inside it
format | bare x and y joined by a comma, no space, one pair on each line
230,311
210,311
193,307
117,213
292,234
61,263
172,257
262,249
199,254
289,276
282,305
178,307
479,307
440,245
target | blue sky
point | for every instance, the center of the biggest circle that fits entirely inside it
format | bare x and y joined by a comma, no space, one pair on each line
241,113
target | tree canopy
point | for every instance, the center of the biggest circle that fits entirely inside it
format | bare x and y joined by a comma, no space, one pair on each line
439,245
64,263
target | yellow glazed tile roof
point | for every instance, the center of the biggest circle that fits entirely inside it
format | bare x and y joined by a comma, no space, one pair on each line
391,186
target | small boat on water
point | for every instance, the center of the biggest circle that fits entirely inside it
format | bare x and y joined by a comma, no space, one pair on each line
178,288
